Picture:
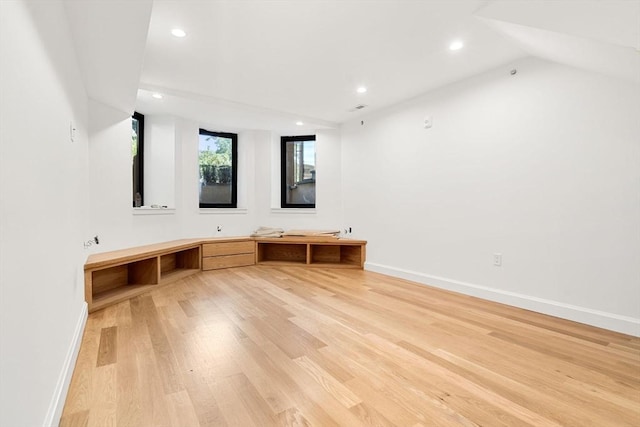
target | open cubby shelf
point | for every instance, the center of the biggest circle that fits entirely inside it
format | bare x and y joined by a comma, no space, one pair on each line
108,283
178,262
338,253
279,252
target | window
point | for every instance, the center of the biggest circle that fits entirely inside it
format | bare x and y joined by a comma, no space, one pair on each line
298,171
218,160
137,150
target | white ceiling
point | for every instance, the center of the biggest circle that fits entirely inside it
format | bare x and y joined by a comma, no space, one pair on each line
265,64
599,35
110,60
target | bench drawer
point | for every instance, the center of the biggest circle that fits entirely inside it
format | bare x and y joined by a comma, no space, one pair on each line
228,248
226,261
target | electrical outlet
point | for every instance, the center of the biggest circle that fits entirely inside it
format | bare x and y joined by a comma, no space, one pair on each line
497,260
428,122
95,240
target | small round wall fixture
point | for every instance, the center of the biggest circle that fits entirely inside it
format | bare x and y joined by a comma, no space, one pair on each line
513,72
299,123
456,45
178,32
361,89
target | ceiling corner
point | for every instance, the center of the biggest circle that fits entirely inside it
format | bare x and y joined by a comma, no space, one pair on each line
110,40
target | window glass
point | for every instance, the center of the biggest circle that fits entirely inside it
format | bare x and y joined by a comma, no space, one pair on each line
298,171
137,151
218,169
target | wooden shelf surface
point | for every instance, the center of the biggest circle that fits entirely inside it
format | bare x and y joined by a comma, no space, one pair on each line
124,256
268,262
112,296
178,274
304,264
124,292
310,240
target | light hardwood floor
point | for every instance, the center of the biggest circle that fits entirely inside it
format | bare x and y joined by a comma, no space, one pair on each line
261,346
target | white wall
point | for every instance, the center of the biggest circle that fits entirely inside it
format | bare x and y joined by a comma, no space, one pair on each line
110,175
196,222
328,211
159,161
174,142
112,215
43,211
543,167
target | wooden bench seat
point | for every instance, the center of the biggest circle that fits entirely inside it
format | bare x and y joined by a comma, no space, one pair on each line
111,277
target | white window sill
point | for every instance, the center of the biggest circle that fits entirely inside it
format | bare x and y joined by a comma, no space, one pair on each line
154,211
294,211
223,211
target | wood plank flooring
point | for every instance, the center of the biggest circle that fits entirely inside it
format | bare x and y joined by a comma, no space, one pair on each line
263,346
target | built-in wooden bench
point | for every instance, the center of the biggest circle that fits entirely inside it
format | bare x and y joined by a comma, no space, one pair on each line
111,277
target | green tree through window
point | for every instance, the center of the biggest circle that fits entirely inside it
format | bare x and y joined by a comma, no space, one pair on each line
218,169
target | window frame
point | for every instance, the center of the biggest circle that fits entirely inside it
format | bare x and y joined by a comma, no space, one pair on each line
234,169
283,172
140,175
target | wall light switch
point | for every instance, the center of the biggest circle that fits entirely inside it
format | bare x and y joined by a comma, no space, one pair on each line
428,122
72,132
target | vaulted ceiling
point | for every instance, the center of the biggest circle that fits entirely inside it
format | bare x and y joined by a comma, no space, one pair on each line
265,64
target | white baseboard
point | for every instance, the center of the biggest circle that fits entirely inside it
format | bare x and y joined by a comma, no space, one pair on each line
62,387
614,322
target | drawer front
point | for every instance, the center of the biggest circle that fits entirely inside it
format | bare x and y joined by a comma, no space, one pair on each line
228,248
226,261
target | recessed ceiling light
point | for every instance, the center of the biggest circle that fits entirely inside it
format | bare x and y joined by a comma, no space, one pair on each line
178,32
157,96
456,45
299,123
361,89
